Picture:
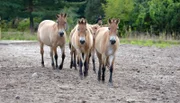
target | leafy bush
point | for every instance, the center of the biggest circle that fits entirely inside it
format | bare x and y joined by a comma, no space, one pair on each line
23,25
4,25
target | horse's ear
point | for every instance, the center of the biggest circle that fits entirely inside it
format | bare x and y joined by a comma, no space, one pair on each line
57,16
65,15
84,21
117,21
109,21
79,21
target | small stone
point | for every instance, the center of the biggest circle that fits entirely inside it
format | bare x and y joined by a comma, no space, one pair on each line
17,97
154,99
83,101
34,75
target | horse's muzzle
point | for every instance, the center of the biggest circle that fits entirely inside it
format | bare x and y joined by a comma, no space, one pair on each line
112,41
82,41
61,33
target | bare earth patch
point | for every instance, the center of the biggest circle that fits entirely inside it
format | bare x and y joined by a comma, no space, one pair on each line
141,75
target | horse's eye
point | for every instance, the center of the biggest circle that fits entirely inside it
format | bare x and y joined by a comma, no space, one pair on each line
109,28
78,29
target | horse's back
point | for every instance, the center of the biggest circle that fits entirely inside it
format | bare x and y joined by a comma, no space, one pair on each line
46,31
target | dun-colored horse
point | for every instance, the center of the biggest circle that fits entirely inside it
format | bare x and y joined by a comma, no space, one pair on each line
81,43
106,44
93,29
53,34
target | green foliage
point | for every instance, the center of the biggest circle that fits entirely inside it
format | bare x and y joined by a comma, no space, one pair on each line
13,35
4,25
152,16
23,25
156,43
93,10
118,9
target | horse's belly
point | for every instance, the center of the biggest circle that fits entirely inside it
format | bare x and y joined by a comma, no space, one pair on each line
44,37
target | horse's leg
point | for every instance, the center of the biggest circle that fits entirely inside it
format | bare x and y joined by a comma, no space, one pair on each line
63,57
75,60
42,53
86,66
103,74
80,68
111,63
52,59
100,63
93,60
104,58
55,56
71,63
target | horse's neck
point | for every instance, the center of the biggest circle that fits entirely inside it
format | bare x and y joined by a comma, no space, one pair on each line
55,26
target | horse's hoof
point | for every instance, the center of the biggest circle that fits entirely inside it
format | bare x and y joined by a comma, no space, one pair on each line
71,66
81,77
60,67
94,71
53,67
85,74
110,84
99,79
43,66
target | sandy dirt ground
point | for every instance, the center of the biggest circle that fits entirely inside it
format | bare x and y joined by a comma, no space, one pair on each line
141,75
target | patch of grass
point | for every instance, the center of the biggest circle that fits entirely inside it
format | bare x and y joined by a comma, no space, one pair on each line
18,36
157,43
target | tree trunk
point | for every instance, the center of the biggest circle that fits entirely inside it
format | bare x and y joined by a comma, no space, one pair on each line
31,16
31,23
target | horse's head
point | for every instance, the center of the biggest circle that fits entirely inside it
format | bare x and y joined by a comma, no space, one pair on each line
62,23
95,28
82,30
113,30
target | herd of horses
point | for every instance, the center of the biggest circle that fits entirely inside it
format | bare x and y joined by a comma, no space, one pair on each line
86,40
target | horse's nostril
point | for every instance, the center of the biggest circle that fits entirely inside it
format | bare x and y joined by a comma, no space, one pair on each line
113,41
82,41
61,33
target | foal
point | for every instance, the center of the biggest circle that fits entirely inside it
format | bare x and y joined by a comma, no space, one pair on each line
106,44
53,34
82,42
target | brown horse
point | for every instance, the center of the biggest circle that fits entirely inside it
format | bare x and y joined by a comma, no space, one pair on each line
82,42
93,29
106,44
53,34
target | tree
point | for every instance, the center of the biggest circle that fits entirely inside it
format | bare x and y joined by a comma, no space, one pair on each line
118,9
93,10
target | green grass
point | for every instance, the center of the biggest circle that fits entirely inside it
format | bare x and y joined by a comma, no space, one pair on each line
18,36
157,43
14,35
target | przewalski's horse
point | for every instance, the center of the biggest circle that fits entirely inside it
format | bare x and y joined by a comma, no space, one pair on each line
53,34
106,44
82,42
93,28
